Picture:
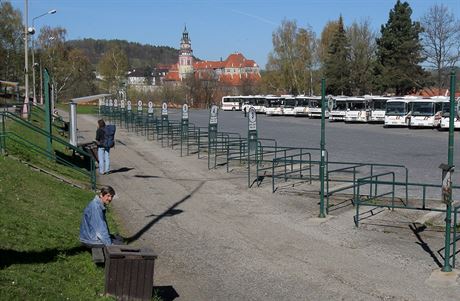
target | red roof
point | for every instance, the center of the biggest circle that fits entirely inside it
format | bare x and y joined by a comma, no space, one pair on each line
428,92
234,60
237,60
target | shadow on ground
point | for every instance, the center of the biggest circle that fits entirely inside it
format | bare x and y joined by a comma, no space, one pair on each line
166,293
9,257
123,169
171,211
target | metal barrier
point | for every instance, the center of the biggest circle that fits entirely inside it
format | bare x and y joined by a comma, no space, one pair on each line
17,136
375,200
350,182
455,236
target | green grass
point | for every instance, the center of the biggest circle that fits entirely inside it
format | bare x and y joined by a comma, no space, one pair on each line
40,255
25,152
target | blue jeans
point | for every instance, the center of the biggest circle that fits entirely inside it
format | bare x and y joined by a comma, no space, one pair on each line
103,155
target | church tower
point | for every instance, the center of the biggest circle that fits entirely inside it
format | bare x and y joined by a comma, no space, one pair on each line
185,55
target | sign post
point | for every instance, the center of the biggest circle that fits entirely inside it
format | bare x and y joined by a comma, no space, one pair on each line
252,139
323,148
184,128
212,133
150,119
447,171
164,120
129,115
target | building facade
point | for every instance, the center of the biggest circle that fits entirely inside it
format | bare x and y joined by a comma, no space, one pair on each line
235,70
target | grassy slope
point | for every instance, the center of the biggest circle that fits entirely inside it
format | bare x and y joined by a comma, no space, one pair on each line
40,255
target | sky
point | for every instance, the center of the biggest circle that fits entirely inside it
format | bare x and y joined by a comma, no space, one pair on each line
216,28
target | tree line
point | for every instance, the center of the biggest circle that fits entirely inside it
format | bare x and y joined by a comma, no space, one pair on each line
405,57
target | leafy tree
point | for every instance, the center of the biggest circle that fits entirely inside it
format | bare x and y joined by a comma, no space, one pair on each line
11,43
441,41
326,37
362,57
336,65
399,52
292,60
113,67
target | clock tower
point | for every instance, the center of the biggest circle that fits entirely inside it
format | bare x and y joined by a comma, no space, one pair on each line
185,55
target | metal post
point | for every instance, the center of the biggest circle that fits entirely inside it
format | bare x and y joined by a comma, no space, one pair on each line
33,53
450,162
25,108
322,146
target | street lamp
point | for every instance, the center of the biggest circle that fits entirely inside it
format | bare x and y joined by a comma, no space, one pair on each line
51,12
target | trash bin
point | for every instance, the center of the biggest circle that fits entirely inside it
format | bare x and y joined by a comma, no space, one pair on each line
129,272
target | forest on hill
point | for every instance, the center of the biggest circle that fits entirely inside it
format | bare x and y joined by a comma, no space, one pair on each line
139,55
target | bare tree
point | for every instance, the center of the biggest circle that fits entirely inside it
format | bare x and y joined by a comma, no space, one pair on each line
441,41
362,56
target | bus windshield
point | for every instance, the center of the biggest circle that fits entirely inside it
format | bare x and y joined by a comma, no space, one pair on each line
379,104
356,106
340,106
422,108
315,103
289,103
396,108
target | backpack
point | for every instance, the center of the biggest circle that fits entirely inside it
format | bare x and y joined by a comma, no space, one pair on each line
109,131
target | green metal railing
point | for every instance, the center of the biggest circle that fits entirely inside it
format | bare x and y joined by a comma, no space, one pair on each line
32,140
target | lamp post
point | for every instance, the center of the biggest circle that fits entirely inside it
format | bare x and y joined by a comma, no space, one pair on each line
51,12
25,108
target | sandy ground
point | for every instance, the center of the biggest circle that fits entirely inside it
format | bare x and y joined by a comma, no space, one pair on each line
216,239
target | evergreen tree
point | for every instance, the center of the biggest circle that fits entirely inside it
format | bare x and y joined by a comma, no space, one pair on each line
399,53
336,65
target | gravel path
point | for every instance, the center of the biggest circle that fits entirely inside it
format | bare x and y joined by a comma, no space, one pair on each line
218,240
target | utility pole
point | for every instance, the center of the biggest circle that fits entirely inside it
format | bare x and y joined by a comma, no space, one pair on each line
25,108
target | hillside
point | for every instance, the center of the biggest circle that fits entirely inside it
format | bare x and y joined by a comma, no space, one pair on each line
139,55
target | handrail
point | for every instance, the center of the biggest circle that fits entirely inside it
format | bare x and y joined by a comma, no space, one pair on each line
43,132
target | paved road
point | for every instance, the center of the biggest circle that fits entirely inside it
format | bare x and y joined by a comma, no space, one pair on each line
421,150
218,240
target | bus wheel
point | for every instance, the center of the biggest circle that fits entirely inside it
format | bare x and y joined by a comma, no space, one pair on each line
233,109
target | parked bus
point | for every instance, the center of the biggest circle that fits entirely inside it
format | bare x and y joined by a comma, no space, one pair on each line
232,103
314,107
426,112
256,101
445,117
274,105
288,105
377,105
357,109
339,108
301,107
397,112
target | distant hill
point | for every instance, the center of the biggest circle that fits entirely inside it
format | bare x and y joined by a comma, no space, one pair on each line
139,55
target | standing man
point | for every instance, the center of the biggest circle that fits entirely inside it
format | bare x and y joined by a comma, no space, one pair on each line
103,152
93,227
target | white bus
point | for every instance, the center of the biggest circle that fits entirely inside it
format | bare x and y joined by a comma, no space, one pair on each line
397,112
377,106
231,103
445,117
301,107
339,108
426,112
357,109
274,105
256,101
314,107
288,104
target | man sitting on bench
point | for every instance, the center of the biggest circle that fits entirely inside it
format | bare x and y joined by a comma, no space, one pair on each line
94,231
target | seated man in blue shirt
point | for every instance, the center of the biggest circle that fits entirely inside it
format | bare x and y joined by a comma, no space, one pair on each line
93,227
